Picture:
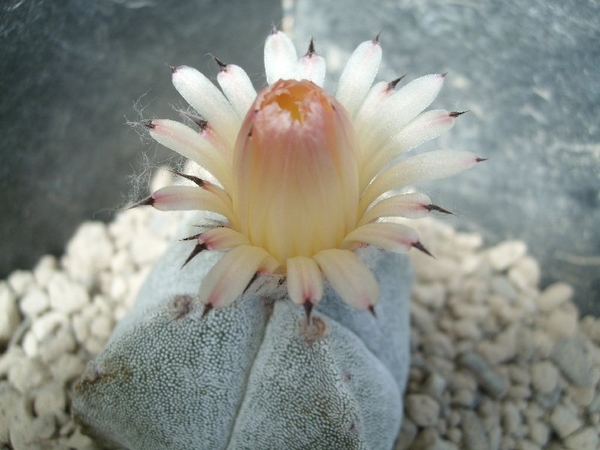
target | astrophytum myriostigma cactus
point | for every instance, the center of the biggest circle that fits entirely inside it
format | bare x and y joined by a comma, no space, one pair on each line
252,375
294,335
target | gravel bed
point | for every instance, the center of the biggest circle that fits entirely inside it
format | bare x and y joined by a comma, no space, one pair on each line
496,363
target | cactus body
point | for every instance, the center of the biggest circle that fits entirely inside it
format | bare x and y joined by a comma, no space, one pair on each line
252,375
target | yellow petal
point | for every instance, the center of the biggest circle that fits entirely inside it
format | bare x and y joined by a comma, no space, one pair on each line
304,279
349,276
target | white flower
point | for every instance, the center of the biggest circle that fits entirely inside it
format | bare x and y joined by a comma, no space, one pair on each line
304,177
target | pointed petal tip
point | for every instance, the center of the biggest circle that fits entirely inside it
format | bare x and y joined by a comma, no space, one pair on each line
311,48
206,310
432,207
481,159
191,238
274,29
377,39
392,84
250,283
199,248
422,248
458,113
197,181
149,124
444,74
308,307
146,202
221,64
372,310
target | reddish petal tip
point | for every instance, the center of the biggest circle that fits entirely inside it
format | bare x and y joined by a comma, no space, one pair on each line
457,113
308,307
146,202
206,310
221,64
432,207
422,248
197,250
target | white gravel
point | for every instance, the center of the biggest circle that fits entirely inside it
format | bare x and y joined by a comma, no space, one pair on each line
496,363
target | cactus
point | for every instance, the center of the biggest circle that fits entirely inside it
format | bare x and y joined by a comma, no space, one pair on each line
252,375
310,189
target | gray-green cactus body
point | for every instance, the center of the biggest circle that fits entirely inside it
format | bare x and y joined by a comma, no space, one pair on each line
252,375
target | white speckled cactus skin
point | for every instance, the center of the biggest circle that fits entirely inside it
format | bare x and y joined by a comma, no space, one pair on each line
250,376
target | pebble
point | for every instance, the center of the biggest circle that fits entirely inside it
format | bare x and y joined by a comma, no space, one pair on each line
44,426
47,324
569,355
65,295
49,398
583,439
538,432
101,327
30,345
511,418
67,367
44,270
21,426
9,313
562,323
35,302
544,377
491,382
422,409
88,252
505,254
564,421
421,318
408,432
62,342
553,296
525,273
9,396
28,374
20,281
474,435
438,344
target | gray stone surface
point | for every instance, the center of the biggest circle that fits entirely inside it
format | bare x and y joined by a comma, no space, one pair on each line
70,73
527,71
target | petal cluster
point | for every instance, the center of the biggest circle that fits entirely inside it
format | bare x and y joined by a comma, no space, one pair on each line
303,177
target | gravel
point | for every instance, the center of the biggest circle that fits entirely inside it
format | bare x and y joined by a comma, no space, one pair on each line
496,362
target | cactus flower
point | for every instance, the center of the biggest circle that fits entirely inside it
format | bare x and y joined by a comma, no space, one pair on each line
301,176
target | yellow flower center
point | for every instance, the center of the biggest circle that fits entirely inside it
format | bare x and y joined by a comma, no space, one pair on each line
295,171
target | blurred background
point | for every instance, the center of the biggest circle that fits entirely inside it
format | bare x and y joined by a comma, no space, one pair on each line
73,73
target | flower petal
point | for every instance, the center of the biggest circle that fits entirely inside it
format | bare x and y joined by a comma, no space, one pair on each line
187,198
221,238
423,128
192,145
390,236
358,75
312,67
417,169
304,280
349,276
208,100
281,59
238,88
230,275
401,108
377,95
411,206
